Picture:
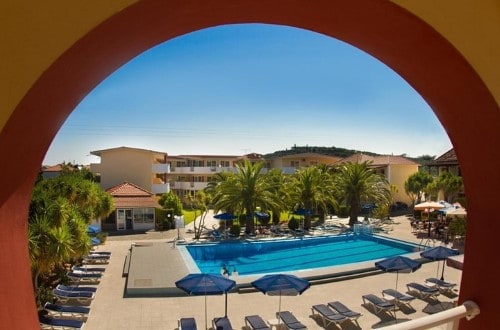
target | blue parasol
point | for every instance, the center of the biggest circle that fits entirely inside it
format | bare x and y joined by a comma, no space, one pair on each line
206,284
95,241
439,253
398,264
282,285
91,229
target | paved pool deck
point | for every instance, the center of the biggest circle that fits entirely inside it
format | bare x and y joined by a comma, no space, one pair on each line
113,309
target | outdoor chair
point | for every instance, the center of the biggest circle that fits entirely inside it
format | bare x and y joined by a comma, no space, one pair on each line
50,323
328,315
72,288
95,259
423,291
255,322
88,269
442,286
346,311
81,297
290,321
187,323
399,297
379,304
67,312
222,323
84,278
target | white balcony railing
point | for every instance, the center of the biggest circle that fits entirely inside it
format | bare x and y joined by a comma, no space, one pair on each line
160,168
160,188
450,318
189,185
201,170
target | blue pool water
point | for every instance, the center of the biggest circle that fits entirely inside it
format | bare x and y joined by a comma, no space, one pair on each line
263,257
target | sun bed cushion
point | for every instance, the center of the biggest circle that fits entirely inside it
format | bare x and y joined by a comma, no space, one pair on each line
423,290
76,288
256,322
400,297
88,269
51,323
379,304
328,315
67,312
344,310
442,286
290,321
187,323
222,323
84,275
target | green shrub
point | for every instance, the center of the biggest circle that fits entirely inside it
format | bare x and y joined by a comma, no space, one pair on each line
42,295
102,236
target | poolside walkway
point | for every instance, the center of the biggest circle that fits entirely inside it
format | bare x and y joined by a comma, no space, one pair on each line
110,310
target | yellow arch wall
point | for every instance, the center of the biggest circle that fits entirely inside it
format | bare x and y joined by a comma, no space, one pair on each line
35,34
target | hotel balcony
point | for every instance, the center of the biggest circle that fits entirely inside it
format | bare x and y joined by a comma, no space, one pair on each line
160,188
160,168
179,185
201,169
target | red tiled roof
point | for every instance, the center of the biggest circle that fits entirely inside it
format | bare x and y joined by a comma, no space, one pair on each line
128,194
127,189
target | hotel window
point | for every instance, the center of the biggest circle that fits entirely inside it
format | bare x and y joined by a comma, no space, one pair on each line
144,215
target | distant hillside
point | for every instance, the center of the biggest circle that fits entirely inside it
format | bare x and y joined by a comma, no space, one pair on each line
338,152
330,151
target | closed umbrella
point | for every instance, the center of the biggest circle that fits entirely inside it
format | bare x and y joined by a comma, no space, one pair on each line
439,253
281,285
206,284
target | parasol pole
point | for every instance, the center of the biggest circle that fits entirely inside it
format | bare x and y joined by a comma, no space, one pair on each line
279,310
442,273
225,309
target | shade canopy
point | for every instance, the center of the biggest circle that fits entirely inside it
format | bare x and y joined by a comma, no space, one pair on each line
281,285
428,205
398,264
95,241
225,216
262,215
439,253
302,211
206,284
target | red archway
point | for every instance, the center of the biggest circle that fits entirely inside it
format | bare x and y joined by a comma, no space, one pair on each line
408,45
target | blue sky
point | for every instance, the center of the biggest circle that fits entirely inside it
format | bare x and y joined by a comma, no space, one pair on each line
236,89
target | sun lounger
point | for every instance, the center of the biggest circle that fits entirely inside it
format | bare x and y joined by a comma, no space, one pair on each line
346,311
255,322
104,253
379,304
399,297
50,323
88,269
328,315
84,278
75,296
187,323
443,286
67,312
95,259
422,290
76,288
222,323
290,321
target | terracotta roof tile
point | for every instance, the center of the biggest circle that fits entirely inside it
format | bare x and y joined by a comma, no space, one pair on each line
127,189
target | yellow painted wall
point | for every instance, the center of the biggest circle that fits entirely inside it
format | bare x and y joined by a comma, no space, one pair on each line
473,27
398,174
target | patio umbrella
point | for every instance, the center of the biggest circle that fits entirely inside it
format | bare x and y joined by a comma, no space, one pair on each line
398,264
428,205
281,285
225,217
262,215
95,241
206,284
439,253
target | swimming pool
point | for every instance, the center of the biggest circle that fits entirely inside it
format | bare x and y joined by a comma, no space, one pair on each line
274,256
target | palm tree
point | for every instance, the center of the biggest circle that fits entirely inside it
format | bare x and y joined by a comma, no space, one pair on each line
245,190
357,183
312,189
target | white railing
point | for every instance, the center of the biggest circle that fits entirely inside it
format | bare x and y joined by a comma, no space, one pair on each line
450,317
160,168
